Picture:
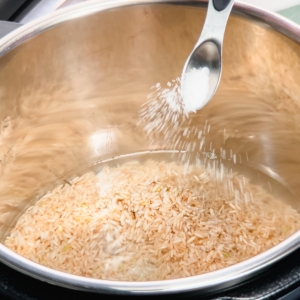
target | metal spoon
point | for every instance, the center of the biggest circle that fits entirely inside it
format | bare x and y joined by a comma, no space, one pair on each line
207,54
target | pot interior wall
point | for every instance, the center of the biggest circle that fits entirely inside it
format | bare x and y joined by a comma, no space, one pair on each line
71,95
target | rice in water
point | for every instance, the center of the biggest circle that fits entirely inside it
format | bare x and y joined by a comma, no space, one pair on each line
151,221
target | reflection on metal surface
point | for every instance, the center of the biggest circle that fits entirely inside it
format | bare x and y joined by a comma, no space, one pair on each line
65,79
104,142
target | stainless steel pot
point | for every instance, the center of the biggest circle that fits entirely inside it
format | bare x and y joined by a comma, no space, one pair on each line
82,74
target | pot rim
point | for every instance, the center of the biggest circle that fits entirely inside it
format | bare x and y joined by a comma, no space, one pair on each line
212,281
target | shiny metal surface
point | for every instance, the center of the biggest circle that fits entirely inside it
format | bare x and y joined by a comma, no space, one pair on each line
40,9
71,86
45,7
208,49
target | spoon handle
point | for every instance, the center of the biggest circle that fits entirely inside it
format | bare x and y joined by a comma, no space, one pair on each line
215,23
